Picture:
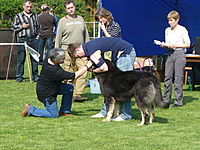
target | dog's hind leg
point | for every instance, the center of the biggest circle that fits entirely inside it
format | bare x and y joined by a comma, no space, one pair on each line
110,108
144,114
152,114
117,109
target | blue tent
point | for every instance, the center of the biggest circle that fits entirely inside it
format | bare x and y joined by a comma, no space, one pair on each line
143,21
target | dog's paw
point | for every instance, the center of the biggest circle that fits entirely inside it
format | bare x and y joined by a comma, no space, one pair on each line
106,120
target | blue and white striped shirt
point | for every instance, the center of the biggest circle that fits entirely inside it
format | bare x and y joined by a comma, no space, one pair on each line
113,29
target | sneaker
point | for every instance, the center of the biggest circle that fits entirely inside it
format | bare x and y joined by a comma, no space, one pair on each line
176,105
18,80
118,119
99,115
79,99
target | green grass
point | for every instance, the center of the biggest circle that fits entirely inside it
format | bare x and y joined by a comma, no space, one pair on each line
174,128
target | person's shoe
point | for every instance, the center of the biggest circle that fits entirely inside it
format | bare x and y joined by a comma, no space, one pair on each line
99,115
65,114
40,63
35,80
79,99
25,111
175,105
118,119
19,80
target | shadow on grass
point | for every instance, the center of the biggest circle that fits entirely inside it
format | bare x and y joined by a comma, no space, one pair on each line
188,99
91,97
137,116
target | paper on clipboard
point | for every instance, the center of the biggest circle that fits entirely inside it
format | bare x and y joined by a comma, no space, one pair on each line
33,53
159,42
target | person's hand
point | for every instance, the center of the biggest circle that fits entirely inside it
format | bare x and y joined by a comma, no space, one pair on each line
90,69
102,26
65,80
89,63
25,25
168,46
172,46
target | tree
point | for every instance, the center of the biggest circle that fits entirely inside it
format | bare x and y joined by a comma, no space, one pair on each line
9,8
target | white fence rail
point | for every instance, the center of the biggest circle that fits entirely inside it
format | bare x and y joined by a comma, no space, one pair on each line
93,29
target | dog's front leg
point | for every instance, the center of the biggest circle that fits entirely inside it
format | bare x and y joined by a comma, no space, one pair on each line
110,108
117,109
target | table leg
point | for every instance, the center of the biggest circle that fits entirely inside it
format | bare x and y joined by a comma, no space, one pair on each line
193,77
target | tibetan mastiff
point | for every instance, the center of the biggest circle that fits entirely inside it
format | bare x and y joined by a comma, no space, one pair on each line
118,86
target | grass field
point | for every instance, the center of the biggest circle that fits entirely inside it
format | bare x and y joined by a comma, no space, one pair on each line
174,128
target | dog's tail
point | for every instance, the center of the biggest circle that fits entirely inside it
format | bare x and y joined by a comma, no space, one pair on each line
158,98
162,104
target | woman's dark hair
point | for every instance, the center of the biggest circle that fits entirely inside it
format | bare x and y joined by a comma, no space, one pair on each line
101,11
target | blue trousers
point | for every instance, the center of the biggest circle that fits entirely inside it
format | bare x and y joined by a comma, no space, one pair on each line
45,42
32,42
124,64
51,111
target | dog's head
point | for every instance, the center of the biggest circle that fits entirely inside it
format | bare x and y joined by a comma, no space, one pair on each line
110,64
111,68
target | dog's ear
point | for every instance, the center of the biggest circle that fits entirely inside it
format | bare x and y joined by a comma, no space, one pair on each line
111,65
108,62
94,66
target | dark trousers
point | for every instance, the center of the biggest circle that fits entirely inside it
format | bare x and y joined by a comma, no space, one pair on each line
32,42
45,42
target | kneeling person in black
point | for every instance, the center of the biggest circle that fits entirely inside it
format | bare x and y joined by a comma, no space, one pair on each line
50,85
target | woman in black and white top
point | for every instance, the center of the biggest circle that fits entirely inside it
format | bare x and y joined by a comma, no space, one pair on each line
109,27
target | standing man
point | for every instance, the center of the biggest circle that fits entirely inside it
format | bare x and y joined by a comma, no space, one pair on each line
27,28
72,29
114,49
51,12
47,23
55,28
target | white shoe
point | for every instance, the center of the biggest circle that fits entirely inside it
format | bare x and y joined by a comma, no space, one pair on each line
118,119
99,115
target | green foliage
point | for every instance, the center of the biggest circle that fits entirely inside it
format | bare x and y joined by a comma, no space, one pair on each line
58,6
9,8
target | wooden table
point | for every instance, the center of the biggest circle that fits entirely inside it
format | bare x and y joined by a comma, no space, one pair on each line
193,59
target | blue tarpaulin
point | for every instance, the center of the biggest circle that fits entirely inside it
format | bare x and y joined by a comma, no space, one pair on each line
142,21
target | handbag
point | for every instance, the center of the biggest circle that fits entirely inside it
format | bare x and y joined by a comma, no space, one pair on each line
150,68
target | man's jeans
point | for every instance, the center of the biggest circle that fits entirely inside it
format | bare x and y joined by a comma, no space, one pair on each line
32,42
124,64
45,42
51,111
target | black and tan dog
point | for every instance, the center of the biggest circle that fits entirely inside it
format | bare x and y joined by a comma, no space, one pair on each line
120,86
